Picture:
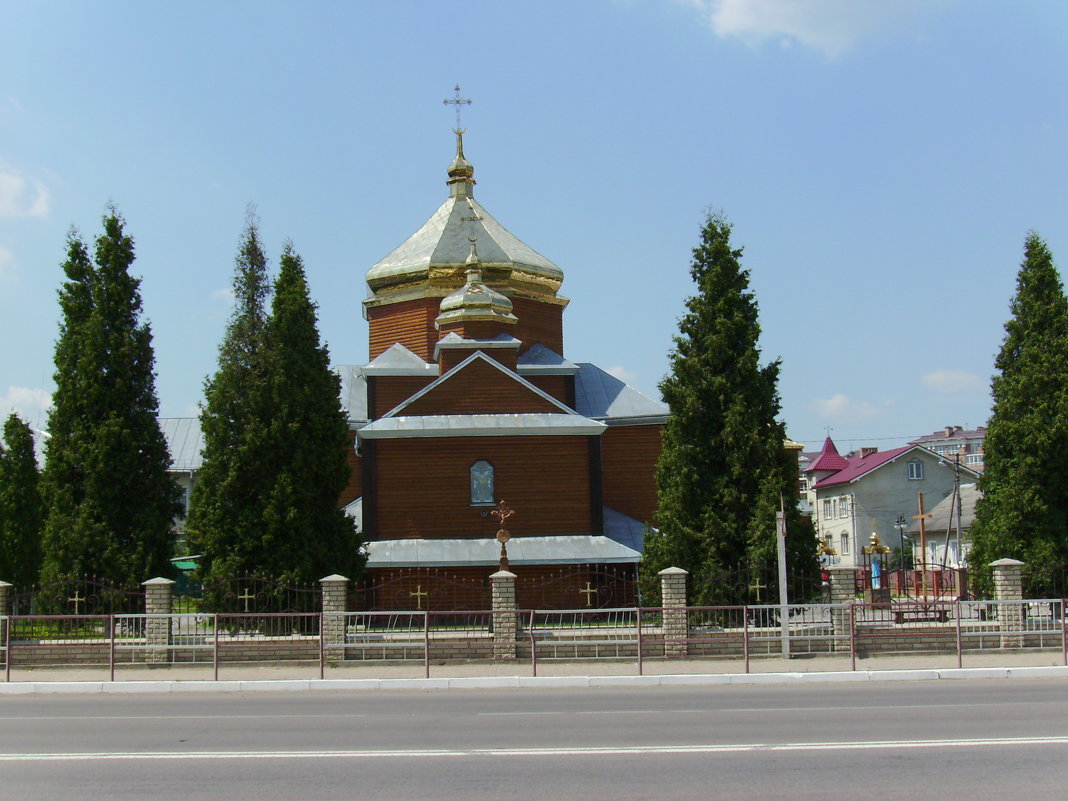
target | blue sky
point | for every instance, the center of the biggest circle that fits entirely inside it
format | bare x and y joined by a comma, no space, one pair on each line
881,162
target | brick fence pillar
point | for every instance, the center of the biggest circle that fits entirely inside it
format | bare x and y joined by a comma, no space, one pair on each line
843,591
505,622
5,598
1008,586
676,622
158,599
335,591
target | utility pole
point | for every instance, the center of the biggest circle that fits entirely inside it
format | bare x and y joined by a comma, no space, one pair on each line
784,601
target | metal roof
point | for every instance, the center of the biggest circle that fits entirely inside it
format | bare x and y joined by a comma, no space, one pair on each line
545,361
398,360
481,425
184,442
444,240
560,549
602,396
624,530
940,520
353,392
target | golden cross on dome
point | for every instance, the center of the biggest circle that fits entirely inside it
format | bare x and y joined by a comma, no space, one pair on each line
458,102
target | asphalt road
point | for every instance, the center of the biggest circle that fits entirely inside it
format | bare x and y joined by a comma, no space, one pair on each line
982,739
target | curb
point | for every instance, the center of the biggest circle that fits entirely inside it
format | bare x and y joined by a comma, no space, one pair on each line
522,682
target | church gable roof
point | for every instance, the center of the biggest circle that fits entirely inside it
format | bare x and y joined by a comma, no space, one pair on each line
540,360
479,385
398,360
602,396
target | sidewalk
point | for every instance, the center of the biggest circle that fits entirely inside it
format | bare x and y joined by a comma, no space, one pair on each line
592,673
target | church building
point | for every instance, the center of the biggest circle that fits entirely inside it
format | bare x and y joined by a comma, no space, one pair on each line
468,399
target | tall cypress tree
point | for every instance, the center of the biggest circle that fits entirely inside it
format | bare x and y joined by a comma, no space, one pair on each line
111,504
1023,513
724,471
305,535
21,511
225,508
275,436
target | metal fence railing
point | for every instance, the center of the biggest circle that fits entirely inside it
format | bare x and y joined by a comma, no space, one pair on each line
632,634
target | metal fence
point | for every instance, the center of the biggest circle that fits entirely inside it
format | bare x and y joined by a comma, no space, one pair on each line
632,634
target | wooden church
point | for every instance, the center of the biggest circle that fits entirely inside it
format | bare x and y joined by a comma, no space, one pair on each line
468,398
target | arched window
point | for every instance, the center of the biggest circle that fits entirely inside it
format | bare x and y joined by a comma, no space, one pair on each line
482,483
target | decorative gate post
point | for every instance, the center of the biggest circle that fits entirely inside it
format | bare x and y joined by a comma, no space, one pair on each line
158,595
843,591
673,601
505,624
335,591
1008,586
5,598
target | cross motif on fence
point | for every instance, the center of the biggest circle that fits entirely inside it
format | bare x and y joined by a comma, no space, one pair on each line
76,599
419,595
589,592
756,587
246,596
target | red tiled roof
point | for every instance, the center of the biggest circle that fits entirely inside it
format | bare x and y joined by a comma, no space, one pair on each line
829,459
855,468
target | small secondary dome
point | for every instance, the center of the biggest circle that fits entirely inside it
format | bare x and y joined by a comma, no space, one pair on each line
474,300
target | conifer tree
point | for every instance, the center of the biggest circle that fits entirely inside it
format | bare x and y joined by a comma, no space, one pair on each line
724,471
1023,513
305,535
225,508
111,504
275,436
21,511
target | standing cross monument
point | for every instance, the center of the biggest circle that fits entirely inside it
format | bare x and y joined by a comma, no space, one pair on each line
502,513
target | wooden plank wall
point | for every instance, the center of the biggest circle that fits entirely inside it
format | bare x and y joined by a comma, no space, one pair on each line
628,456
423,486
393,390
480,388
410,322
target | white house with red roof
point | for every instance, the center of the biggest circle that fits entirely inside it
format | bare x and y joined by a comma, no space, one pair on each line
855,495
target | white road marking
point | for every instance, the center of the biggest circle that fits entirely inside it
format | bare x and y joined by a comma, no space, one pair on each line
985,742
91,718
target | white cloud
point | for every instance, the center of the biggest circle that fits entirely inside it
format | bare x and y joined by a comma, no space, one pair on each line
840,408
31,404
833,27
7,264
225,295
622,373
23,197
946,381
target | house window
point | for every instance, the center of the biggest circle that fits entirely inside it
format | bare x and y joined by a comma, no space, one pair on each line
481,484
826,508
915,471
844,549
973,458
843,506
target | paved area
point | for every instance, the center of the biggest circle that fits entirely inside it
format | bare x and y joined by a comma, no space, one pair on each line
588,673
